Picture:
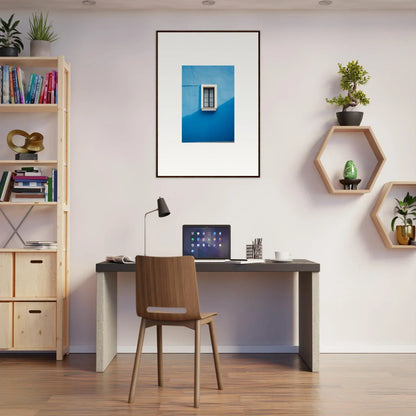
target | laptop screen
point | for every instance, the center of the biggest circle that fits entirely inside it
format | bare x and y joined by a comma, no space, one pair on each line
206,241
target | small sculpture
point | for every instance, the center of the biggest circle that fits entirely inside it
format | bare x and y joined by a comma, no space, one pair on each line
33,144
350,180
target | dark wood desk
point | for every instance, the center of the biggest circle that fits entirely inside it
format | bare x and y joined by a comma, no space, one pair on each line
308,271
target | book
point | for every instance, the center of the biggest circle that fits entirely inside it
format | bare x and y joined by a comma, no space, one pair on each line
30,178
45,90
20,81
29,88
11,86
5,195
49,191
2,180
6,91
120,259
28,189
38,89
55,185
15,86
29,195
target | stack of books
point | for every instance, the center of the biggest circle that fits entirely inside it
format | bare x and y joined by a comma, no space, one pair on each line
39,89
28,184
40,245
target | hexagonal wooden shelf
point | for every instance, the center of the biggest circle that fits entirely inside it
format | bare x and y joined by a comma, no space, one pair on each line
381,227
375,148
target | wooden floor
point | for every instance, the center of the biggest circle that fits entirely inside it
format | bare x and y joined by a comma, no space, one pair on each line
255,384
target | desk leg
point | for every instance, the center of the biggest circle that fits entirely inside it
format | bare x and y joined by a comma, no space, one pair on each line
106,340
309,319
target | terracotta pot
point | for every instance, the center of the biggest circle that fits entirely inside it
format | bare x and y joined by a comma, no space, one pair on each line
404,234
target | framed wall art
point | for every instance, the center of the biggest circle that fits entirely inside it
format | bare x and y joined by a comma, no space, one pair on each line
207,103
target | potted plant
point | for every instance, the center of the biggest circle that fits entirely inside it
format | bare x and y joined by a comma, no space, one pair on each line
41,35
10,42
352,76
406,210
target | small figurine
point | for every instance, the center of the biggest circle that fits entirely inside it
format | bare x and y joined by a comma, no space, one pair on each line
33,144
350,180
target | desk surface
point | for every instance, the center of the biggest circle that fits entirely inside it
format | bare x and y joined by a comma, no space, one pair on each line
297,265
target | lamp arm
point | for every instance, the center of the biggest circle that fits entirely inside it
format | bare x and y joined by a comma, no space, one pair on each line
144,227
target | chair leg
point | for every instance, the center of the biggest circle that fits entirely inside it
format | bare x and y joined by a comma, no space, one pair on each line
159,355
137,361
197,362
215,353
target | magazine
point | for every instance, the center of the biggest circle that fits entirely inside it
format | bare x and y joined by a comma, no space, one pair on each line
120,259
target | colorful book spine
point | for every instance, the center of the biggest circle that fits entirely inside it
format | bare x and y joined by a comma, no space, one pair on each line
45,91
55,185
11,86
15,86
2,180
20,78
6,90
5,194
29,88
40,178
49,192
38,89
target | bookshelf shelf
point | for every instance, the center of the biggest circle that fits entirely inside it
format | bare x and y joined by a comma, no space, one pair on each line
52,163
34,284
28,108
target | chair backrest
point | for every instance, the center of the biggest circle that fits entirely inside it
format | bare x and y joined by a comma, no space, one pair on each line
167,282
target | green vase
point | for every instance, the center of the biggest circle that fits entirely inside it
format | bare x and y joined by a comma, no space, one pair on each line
350,170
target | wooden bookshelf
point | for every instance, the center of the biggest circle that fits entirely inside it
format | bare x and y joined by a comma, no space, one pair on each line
37,318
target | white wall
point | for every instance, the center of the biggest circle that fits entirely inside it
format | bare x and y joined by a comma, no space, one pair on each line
366,291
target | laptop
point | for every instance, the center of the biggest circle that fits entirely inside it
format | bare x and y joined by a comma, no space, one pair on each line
207,242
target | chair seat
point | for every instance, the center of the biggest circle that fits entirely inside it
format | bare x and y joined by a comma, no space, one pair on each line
208,315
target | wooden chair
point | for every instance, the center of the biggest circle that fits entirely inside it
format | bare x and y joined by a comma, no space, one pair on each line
167,294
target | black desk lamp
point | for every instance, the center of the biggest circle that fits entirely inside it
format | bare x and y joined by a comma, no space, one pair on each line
163,211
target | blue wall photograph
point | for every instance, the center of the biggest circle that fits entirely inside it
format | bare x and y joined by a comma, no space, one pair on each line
208,103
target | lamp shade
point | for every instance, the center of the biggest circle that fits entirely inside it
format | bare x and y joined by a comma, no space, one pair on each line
162,208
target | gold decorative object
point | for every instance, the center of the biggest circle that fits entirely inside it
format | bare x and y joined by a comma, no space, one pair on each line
405,233
33,142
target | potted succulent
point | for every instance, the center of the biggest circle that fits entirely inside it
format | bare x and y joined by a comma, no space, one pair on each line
10,42
41,35
407,213
352,76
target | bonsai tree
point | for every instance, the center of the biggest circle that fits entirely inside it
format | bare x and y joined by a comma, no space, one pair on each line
40,29
9,35
406,210
353,75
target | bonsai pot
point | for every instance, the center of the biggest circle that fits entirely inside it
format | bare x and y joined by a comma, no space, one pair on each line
40,48
349,118
404,234
8,51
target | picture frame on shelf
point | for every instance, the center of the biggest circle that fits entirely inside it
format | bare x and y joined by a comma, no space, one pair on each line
208,104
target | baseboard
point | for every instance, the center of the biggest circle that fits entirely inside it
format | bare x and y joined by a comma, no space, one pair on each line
370,349
239,349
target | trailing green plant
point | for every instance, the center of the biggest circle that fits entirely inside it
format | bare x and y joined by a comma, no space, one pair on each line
40,29
9,35
352,76
406,210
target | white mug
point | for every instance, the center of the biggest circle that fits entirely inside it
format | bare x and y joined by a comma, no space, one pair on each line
282,255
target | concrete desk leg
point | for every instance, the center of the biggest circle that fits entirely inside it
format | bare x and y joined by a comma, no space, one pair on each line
106,341
309,319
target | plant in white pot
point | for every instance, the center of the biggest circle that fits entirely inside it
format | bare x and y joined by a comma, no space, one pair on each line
41,35
352,76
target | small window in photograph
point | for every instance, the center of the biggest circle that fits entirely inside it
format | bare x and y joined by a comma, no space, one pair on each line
208,97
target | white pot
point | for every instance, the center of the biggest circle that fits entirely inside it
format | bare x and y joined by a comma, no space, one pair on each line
40,48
